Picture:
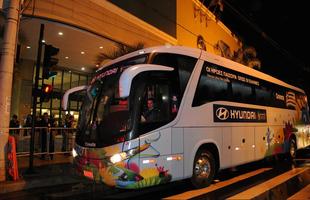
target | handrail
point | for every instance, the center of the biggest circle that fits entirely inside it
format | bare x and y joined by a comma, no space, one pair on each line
46,140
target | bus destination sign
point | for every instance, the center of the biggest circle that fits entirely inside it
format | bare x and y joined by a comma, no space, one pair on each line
224,113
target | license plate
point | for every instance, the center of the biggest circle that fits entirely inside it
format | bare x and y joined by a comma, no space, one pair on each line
88,174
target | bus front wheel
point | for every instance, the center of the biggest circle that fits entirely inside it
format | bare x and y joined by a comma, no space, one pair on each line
203,169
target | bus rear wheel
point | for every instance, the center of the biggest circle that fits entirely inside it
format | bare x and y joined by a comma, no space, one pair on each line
203,169
292,148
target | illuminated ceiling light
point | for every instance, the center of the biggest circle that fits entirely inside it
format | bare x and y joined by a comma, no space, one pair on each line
82,52
101,47
60,33
69,71
83,68
97,65
43,41
66,57
28,47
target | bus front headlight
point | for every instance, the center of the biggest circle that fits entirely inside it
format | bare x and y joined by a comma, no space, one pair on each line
118,157
124,155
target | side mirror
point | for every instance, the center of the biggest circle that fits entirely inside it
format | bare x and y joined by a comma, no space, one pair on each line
129,74
64,103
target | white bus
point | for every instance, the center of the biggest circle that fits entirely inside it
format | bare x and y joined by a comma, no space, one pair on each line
168,113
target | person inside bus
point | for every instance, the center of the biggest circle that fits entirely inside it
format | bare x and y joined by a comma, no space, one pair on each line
151,114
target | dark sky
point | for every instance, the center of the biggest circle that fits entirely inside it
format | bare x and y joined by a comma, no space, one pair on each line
278,31
284,21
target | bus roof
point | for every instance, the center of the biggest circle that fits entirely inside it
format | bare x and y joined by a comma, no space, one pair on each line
193,52
197,53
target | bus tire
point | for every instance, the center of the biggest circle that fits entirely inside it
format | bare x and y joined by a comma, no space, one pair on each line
292,149
203,169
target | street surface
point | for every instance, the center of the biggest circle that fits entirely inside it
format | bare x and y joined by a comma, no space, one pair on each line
282,178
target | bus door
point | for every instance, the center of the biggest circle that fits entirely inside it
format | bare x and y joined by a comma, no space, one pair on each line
159,106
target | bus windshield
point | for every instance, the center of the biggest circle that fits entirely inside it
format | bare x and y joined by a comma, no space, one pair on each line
104,117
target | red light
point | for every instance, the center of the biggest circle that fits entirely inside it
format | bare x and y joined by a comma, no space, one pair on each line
88,174
123,102
47,88
120,139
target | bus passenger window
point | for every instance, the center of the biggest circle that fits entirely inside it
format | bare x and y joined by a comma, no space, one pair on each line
183,64
263,96
174,105
242,92
211,89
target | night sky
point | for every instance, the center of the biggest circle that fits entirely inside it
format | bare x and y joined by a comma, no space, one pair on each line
277,30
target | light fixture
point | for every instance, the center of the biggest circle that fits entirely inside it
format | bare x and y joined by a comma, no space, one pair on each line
97,65
125,155
43,41
168,45
60,33
28,47
148,161
118,157
69,71
101,47
82,52
74,154
83,68
66,57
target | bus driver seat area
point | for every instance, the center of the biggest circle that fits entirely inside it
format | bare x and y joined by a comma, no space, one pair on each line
150,112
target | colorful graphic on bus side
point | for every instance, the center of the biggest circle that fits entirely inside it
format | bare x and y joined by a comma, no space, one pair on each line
96,165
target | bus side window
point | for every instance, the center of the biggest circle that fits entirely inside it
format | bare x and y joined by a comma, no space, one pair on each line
209,89
159,103
156,104
263,96
242,92
184,66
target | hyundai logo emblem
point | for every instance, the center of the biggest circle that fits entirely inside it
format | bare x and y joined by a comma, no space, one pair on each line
222,113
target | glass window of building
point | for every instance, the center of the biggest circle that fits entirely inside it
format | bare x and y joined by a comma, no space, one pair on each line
74,68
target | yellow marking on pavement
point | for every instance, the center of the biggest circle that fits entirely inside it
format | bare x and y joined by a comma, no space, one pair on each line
216,186
302,194
267,185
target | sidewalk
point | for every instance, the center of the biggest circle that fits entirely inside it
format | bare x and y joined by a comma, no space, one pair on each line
47,173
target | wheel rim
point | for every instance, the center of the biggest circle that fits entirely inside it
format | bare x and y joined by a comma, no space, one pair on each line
202,168
292,149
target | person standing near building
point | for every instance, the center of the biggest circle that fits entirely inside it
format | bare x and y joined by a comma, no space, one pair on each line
46,125
68,132
14,123
27,124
